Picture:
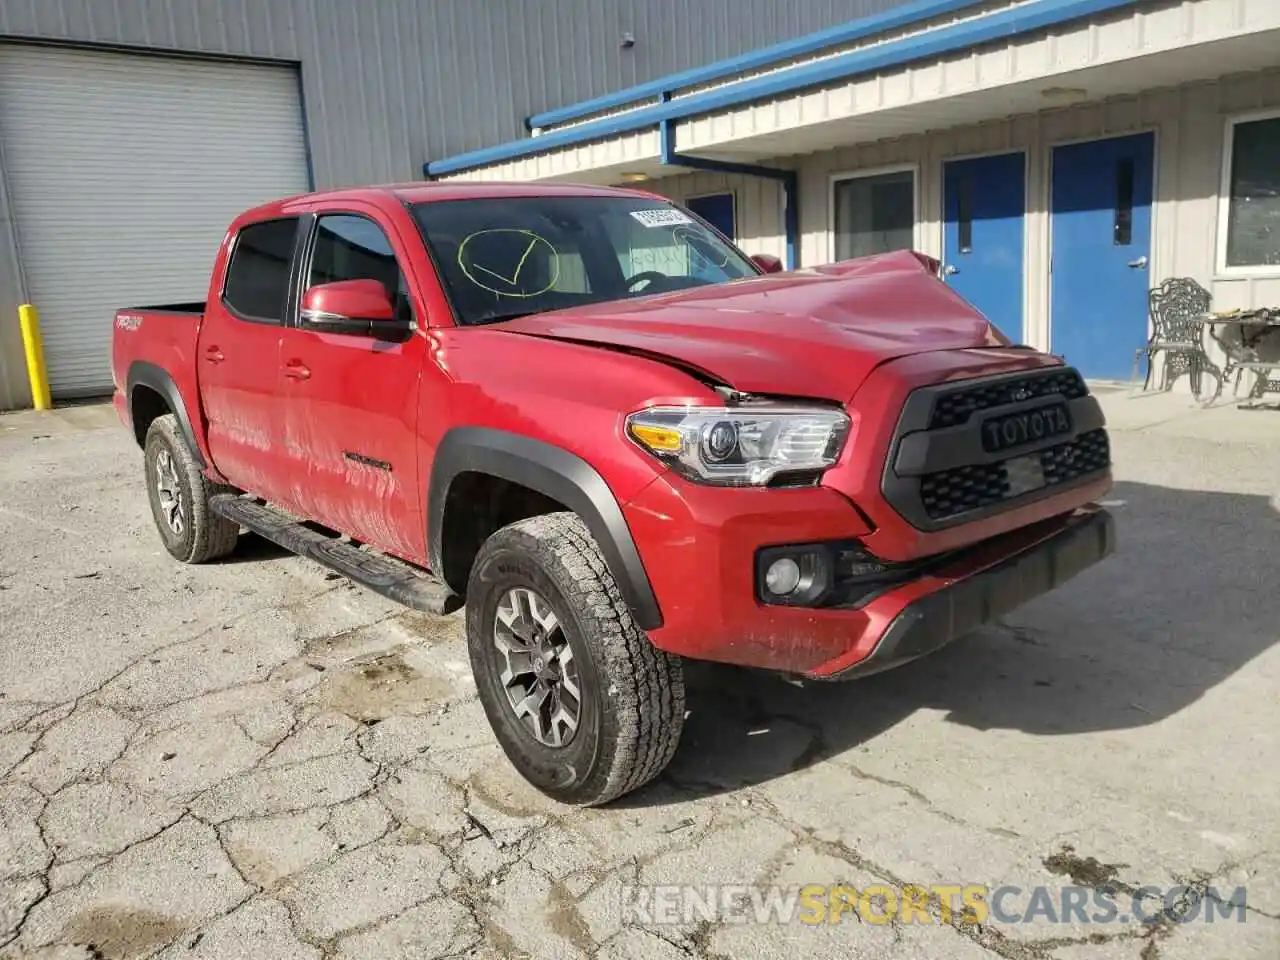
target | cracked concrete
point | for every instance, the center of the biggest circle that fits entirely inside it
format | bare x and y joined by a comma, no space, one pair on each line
251,759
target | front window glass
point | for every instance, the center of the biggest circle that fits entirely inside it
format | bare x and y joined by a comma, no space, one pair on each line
350,247
508,257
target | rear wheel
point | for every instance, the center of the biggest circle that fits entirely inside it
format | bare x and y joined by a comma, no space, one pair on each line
180,495
585,707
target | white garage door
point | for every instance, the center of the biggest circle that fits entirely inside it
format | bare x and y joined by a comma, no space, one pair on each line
124,171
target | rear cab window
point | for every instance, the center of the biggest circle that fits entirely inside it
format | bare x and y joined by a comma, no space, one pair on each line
256,287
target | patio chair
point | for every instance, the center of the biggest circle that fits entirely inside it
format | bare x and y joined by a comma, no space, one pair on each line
1176,331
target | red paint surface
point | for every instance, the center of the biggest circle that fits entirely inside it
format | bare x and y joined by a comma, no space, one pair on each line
863,334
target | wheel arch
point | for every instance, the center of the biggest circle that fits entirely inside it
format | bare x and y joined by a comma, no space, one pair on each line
552,472
147,381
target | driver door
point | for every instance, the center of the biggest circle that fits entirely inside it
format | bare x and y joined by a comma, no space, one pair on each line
350,418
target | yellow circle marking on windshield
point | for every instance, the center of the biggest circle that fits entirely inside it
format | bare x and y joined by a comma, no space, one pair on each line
699,244
508,274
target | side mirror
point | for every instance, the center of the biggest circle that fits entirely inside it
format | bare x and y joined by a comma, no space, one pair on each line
767,262
358,307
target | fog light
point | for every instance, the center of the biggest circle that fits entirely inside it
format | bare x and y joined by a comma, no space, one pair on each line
798,576
782,577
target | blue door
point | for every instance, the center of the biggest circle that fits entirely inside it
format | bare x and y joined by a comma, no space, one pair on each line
985,199
1100,212
717,210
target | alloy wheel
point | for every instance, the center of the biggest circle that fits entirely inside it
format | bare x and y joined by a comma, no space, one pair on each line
172,504
539,674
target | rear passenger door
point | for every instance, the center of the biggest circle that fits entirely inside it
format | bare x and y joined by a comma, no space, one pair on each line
238,359
351,401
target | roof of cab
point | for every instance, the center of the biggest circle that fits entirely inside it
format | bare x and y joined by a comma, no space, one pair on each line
420,192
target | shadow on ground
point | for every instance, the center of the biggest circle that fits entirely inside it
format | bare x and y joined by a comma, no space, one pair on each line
251,548
1188,599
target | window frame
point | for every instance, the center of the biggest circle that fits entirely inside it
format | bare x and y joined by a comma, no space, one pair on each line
834,179
1224,199
289,304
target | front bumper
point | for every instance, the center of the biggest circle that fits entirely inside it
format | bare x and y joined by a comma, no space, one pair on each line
935,620
698,545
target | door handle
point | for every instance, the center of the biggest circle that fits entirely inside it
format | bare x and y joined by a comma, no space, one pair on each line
950,269
1138,264
214,355
296,370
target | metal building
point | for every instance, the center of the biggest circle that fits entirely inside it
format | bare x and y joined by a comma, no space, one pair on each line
1059,156
132,131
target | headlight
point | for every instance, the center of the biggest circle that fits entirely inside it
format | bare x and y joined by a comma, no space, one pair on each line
741,446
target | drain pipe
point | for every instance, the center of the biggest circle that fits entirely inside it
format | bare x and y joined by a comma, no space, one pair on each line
788,179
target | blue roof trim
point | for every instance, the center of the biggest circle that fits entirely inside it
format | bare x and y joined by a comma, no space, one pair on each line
1033,16
902,16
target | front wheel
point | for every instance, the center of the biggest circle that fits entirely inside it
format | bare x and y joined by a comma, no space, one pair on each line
585,707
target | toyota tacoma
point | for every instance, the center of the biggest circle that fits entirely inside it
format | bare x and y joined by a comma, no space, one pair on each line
617,440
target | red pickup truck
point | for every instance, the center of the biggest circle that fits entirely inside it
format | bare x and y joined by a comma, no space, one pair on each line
618,440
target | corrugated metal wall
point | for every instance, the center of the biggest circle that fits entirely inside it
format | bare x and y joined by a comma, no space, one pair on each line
390,84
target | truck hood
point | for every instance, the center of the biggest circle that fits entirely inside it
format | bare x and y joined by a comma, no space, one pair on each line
810,333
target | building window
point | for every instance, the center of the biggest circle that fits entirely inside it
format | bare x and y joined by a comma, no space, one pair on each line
874,213
1250,201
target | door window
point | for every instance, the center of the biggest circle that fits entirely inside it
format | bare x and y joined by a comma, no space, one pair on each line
874,214
257,282
351,247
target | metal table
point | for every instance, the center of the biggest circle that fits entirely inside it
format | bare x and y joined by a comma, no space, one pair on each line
1250,340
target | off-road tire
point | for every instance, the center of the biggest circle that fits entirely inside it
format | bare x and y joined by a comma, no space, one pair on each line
205,535
632,704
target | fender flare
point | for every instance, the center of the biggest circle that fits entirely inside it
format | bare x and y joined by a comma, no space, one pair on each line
553,472
144,374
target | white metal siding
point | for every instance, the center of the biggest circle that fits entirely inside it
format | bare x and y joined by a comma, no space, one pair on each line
1189,122
123,172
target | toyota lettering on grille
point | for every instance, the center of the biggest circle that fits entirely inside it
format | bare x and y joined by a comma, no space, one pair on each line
1019,429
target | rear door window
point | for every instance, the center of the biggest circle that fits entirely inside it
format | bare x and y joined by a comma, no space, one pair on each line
257,284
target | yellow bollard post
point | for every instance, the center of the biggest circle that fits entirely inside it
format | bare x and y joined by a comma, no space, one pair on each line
29,320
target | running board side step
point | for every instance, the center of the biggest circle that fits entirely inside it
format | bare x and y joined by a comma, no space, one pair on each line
393,578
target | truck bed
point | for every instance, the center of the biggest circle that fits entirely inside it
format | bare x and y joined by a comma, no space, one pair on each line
153,351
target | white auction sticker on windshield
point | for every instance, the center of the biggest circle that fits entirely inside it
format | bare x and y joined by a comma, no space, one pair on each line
661,217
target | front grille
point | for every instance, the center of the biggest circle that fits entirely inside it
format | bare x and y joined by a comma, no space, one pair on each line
948,493
953,409
1087,454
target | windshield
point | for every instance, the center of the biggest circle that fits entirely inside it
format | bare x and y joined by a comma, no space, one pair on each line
510,257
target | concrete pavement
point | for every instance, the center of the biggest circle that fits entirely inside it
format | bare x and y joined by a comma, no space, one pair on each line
254,759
